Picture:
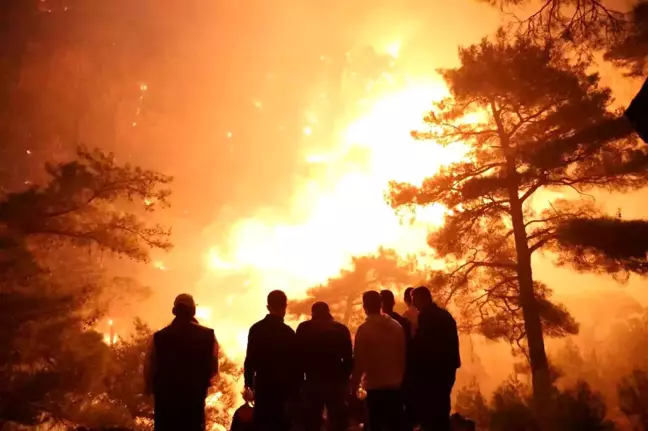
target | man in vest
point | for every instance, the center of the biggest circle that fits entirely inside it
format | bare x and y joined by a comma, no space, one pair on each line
179,366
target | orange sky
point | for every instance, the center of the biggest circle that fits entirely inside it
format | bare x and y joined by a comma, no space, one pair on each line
270,195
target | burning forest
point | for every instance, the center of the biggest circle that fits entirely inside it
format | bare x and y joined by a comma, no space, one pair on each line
229,149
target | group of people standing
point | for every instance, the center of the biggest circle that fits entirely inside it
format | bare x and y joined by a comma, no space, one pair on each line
406,364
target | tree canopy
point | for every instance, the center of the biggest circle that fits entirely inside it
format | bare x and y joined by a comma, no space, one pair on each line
588,25
52,290
522,108
384,269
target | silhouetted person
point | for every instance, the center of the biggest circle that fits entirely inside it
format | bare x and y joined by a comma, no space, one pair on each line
388,302
411,312
434,361
182,359
326,360
243,418
460,423
270,368
379,357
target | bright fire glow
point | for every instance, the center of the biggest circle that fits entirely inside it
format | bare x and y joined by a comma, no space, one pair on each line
213,399
339,212
393,49
159,265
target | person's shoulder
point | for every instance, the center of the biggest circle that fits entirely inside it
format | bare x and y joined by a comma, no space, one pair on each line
410,312
362,327
162,331
445,314
400,319
287,329
405,323
201,328
394,323
204,331
305,325
340,326
257,325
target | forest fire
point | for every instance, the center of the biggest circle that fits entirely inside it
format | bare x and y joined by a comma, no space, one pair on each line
227,149
111,337
337,212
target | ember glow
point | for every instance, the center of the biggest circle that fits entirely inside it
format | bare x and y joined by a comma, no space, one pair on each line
338,212
110,336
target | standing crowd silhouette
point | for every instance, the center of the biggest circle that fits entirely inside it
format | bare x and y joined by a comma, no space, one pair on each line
397,374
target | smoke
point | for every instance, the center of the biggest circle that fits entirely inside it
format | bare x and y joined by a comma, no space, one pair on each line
282,136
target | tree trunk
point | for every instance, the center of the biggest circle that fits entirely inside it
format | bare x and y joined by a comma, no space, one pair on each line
532,324
348,311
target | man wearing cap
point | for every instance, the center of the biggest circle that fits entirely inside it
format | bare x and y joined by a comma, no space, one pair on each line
270,370
326,360
182,359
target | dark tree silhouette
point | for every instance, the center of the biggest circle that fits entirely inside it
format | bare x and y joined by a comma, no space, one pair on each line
633,398
529,103
383,270
588,24
629,50
81,205
579,407
123,382
51,287
605,244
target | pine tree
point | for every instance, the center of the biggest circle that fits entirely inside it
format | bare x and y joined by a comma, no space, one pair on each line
383,270
532,113
51,287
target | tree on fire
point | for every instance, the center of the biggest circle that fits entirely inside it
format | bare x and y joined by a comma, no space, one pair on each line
52,285
69,74
529,100
384,269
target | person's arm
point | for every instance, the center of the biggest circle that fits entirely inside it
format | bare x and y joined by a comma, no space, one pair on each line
347,352
149,367
420,346
251,359
407,330
401,346
215,352
414,321
454,341
301,347
297,372
359,359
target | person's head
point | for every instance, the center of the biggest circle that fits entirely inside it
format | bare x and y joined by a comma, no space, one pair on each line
421,297
277,303
407,296
371,302
184,306
388,301
320,311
